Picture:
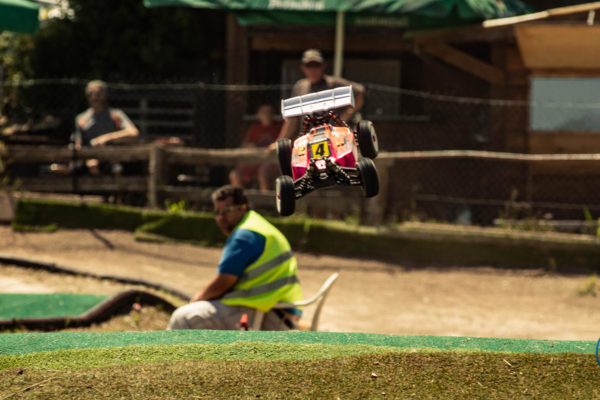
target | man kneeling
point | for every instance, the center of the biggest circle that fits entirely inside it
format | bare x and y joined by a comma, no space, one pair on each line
257,270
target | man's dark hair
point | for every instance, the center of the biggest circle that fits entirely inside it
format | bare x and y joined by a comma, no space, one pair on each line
227,191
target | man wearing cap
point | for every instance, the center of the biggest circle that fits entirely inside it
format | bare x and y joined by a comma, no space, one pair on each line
313,67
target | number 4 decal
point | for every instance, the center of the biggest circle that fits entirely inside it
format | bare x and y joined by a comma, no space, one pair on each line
320,149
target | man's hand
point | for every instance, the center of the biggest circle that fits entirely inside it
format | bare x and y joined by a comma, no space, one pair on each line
217,288
99,141
93,166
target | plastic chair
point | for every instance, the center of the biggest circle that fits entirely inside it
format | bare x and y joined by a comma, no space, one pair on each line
318,298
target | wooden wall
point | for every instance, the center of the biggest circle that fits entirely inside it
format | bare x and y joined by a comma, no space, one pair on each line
561,50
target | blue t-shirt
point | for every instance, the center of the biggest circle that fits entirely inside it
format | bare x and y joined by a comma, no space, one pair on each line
241,250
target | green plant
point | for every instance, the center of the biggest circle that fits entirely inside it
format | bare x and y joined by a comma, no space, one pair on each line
35,228
590,222
528,223
6,183
353,218
174,207
589,287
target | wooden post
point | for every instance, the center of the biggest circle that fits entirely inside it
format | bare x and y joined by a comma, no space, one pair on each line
7,206
144,118
155,172
376,207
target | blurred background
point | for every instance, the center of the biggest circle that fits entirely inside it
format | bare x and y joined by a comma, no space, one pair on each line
481,80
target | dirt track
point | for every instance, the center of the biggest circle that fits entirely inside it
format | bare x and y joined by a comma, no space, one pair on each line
370,296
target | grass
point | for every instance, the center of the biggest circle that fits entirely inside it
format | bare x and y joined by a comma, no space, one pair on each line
50,228
589,287
216,372
233,364
238,351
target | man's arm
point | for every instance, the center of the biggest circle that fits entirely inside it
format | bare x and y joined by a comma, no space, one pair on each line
347,113
120,135
241,249
359,96
217,288
129,132
290,127
359,100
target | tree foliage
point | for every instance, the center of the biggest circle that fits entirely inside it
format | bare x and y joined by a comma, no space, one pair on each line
113,40
121,40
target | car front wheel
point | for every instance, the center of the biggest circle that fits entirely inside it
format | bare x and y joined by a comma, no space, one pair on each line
284,154
285,196
367,139
368,176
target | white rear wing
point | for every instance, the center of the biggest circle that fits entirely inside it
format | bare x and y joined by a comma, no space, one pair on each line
316,102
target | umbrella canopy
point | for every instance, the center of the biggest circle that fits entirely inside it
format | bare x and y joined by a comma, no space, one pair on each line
408,14
19,16
414,14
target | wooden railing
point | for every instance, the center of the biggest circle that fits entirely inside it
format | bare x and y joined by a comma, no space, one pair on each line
337,201
160,158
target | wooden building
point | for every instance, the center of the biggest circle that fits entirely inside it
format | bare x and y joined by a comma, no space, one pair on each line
539,72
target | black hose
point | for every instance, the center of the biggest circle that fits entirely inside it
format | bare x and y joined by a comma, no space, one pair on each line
118,304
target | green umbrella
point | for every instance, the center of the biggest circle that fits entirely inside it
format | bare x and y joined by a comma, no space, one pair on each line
312,12
19,16
409,14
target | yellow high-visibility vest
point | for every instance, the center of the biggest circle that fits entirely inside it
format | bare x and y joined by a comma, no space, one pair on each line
272,278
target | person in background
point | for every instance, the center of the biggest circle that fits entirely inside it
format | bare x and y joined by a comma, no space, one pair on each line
102,125
260,134
315,80
257,270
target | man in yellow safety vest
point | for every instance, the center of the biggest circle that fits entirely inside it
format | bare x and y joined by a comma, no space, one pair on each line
257,270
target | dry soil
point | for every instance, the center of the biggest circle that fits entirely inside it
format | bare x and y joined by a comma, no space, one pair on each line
370,296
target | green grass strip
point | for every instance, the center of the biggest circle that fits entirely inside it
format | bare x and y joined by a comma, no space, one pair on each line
403,375
23,343
238,351
17,305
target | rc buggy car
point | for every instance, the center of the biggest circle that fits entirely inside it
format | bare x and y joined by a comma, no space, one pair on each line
327,151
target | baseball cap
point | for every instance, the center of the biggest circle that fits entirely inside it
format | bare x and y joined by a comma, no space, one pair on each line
312,55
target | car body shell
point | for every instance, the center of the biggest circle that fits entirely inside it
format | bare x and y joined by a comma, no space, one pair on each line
336,143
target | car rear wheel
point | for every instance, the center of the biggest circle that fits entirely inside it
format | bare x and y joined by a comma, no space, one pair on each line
368,176
285,196
367,139
284,153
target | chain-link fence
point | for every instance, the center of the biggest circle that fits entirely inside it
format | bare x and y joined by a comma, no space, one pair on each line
207,115
210,115
477,190
485,190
